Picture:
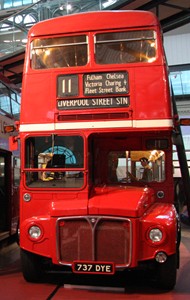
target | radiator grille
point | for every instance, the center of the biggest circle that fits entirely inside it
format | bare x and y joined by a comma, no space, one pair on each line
94,239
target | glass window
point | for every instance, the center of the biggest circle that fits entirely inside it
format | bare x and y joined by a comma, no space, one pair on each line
177,170
180,82
8,3
136,166
27,2
30,19
57,161
15,106
8,101
59,52
15,110
5,103
125,47
17,3
16,171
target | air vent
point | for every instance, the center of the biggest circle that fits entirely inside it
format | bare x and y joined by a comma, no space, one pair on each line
84,117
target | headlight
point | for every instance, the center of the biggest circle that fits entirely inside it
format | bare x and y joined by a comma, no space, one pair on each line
35,232
155,235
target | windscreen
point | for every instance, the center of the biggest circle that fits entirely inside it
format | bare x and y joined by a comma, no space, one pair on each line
57,161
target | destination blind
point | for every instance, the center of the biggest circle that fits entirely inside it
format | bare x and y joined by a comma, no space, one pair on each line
105,83
89,103
94,84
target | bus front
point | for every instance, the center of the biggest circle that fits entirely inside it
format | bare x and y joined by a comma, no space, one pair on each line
96,127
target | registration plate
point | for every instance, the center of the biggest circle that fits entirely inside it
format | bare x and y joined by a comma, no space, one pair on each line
93,267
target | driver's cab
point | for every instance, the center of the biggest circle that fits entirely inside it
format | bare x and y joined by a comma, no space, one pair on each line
134,166
126,159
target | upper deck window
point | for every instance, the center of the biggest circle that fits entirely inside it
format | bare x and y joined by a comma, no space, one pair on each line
125,47
59,52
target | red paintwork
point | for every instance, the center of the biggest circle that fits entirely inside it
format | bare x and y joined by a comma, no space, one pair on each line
164,215
149,100
126,202
131,201
145,103
141,104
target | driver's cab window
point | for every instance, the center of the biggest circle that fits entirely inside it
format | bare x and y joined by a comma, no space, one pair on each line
56,160
136,166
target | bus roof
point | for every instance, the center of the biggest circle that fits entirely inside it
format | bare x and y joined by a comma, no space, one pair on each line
90,21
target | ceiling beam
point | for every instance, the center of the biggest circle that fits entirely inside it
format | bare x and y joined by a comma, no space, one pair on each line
175,21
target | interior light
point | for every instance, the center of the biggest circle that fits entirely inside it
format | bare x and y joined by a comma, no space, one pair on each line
150,60
47,52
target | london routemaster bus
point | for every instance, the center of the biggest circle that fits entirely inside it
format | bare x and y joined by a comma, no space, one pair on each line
9,161
96,132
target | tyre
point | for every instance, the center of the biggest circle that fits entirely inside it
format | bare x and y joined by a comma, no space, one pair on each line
167,273
32,266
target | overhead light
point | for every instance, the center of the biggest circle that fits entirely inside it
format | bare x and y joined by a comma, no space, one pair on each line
67,7
108,3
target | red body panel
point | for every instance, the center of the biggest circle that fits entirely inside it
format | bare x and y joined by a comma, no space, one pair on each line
74,218
126,201
148,83
145,103
164,215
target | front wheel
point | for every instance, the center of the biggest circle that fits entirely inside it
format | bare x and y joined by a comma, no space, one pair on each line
32,266
167,273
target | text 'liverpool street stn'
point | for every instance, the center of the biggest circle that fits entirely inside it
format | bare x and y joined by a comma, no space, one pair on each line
93,103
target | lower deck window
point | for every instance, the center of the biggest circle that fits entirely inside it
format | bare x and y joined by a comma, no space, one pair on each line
56,161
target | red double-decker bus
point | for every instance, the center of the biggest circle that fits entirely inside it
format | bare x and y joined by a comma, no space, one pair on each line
97,191
9,160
